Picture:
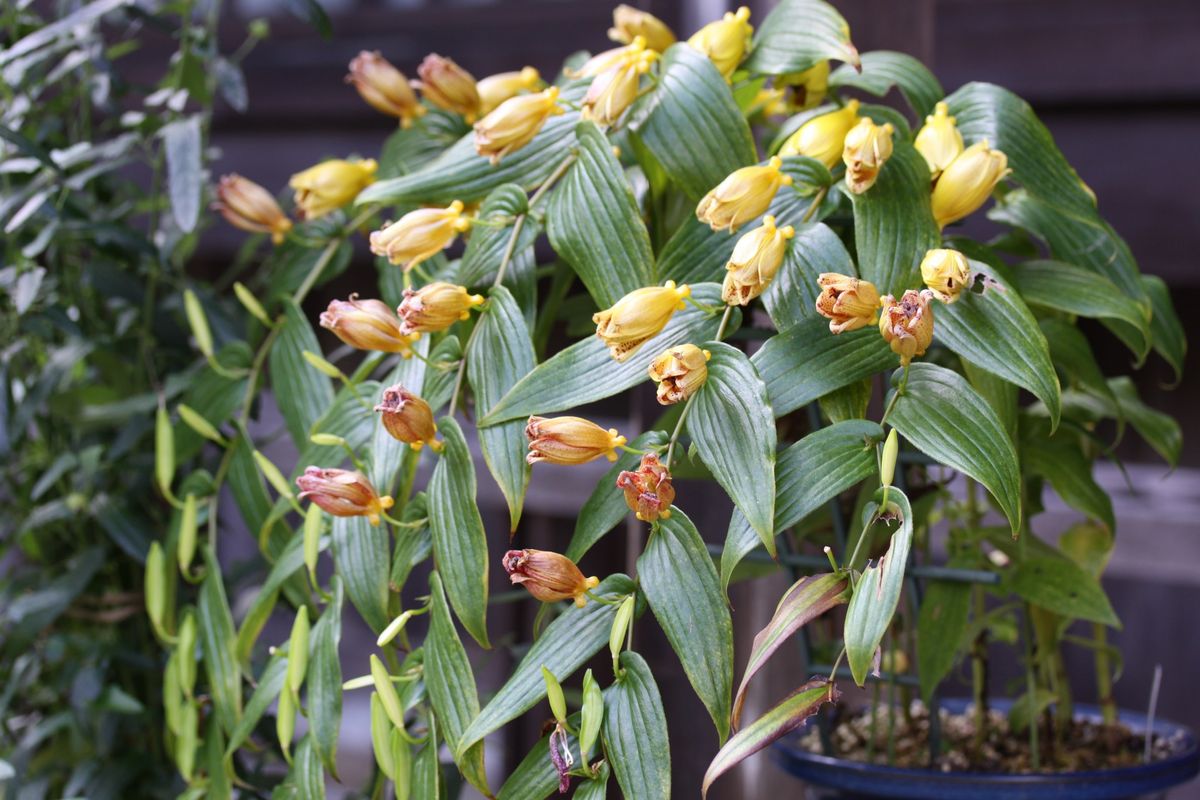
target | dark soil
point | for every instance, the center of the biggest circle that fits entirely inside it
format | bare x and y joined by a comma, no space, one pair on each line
1087,745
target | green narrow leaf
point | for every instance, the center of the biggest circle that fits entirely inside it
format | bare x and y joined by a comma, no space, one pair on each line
1072,355
1057,584
684,591
878,589
324,681
796,35
947,420
807,361
218,642
288,563
791,297
807,599
695,253
500,353
635,732
270,684
733,429
585,372
427,770
459,539
594,788
995,331
1159,430
771,726
849,402
940,627
1166,331
1059,460
182,142
451,686
303,393
487,245
535,778
605,507
884,69
594,224
1066,287
361,554
692,124
306,774
893,223
567,643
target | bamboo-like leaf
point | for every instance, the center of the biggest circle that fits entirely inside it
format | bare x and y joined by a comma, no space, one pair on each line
566,644
218,642
605,507
808,474
680,582
807,361
487,245
1059,459
792,295
943,417
695,253
878,589
361,554
325,681
1073,357
288,563
585,372
940,626
1066,287
303,393
733,429
594,224
692,124
635,732
771,726
884,69
427,770
459,540
183,142
451,686
796,35
270,683
306,774
1166,331
499,355
594,788
1159,430
1057,584
807,599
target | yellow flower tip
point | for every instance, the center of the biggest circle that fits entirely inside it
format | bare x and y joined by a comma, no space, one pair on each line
531,77
775,162
638,44
580,600
638,515
416,446
551,93
386,502
592,582
787,231
664,514
684,291
616,151
437,445
742,15
373,519
707,355
475,299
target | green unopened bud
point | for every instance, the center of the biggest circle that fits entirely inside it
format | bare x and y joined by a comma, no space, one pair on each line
312,539
185,653
381,737
198,323
387,692
554,693
887,463
192,418
393,629
186,549
164,451
285,722
185,743
250,303
298,650
172,695
155,585
327,439
273,475
620,626
402,759
591,715
259,28
321,364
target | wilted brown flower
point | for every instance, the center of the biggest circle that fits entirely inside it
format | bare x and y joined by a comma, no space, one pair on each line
408,418
648,490
548,576
343,493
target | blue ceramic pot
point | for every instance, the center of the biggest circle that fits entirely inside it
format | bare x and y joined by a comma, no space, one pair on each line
854,779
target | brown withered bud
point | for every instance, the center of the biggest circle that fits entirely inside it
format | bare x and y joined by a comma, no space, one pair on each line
848,302
907,324
548,576
367,325
570,440
343,493
447,85
679,372
408,418
648,490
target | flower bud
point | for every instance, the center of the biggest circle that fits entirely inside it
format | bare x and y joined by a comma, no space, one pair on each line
742,196
407,418
630,23
435,307
823,137
679,372
343,493
330,185
907,324
867,147
448,86
495,89
849,303
420,234
637,316
548,576
384,87
648,490
570,440
939,140
246,205
805,89
367,325
603,62
946,272
887,462
755,260
968,182
614,90
725,41
514,123
770,102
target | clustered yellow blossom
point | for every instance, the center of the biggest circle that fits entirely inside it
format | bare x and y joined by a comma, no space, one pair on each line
756,258
419,235
963,179
823,137
743,195
638,316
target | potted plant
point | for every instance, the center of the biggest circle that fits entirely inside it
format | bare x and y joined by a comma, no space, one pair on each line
641,166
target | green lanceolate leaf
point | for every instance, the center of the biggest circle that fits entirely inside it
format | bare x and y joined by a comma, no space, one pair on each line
182,141
947,420
566,644
1166,331
451,686
883,69
940,627
807,599
695,253
1057,584
680,582
289,562
893,223
594,788
796,35
594,224
995,331
361,555
635,732
1158,429
459,540
733,429
1066,287
586,372
878,589
387,452
324,681
427,769
807,361
270,683
606,507
535,778
692,124
791,296
218,643
771,726
1059,459
306,774
303,393
1073,357
487,245
499,355
808,474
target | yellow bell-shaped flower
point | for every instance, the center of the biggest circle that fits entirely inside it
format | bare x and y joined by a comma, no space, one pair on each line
495,89
630,22
514,123
967,183
613,90
448,86
946,273
330,185
742,196
384,87
805,89
570,440
420,234
866,148
847,302
638,316
755,260
435,307
823,137
939,140
907,324
725,41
